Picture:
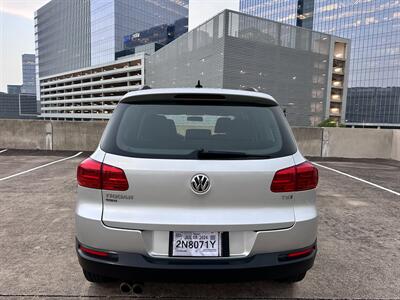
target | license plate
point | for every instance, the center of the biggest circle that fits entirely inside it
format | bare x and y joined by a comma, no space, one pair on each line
195,243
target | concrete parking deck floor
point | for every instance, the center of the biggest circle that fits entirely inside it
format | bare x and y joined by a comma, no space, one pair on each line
359,236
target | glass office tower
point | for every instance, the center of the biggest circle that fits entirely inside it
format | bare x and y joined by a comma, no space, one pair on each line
28,74
374,29
112,20
75,34
293,12
374,81
102,20
62,36
161,34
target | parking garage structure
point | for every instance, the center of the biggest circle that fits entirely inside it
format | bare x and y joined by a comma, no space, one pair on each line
90,93
304,70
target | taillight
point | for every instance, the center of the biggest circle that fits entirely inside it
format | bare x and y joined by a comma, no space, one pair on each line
95,175
306,176
284,181
297,178
89,174
113,179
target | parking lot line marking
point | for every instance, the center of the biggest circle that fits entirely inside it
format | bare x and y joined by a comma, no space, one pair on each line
359,179
2,151
40,167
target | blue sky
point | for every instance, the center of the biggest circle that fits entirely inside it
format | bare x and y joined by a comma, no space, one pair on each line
16,37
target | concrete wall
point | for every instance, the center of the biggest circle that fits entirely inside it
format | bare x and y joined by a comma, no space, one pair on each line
25,134
50,135
357,143
85,136
396,144
309,140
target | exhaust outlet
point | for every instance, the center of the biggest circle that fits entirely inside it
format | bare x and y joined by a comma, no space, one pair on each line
125,288
137,288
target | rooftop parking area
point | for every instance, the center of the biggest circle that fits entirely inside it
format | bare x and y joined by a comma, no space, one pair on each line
358,241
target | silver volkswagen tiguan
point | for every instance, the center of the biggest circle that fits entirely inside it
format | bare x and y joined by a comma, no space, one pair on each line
193,183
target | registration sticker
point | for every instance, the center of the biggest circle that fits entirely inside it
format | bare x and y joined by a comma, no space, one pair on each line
184,243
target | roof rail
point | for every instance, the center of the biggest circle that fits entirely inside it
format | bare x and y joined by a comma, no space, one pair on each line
250,89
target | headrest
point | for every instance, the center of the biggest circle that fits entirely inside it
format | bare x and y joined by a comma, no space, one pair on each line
155,126
222,125
198,134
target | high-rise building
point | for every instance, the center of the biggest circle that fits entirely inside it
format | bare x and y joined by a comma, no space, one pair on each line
62,36
13,89
18,106
293,12
233,50
150,40
112,20
374,29
80,34
20,101
75,34
28,74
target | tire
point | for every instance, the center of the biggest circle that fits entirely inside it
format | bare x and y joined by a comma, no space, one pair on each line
293,279
92,277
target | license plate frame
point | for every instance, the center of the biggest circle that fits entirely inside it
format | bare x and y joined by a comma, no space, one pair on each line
207,252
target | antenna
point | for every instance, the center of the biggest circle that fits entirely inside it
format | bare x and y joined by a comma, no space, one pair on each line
198,85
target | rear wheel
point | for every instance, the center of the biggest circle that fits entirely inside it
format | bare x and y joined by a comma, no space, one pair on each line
93,277
293,279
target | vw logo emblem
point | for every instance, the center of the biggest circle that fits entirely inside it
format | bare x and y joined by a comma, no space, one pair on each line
200,184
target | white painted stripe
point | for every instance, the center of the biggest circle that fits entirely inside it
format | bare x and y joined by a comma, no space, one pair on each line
39,167
2,151
359,179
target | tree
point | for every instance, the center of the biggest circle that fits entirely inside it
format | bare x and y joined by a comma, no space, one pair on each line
330,123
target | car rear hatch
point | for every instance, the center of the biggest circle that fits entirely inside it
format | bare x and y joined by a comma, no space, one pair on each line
160,196
161,142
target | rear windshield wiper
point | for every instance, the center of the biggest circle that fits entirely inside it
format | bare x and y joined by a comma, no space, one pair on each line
216,154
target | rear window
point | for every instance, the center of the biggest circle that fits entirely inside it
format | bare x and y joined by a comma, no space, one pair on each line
183,131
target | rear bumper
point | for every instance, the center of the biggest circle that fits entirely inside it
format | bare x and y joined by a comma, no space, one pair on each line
245,241
133,266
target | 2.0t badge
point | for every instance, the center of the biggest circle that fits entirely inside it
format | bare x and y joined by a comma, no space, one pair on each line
200,184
